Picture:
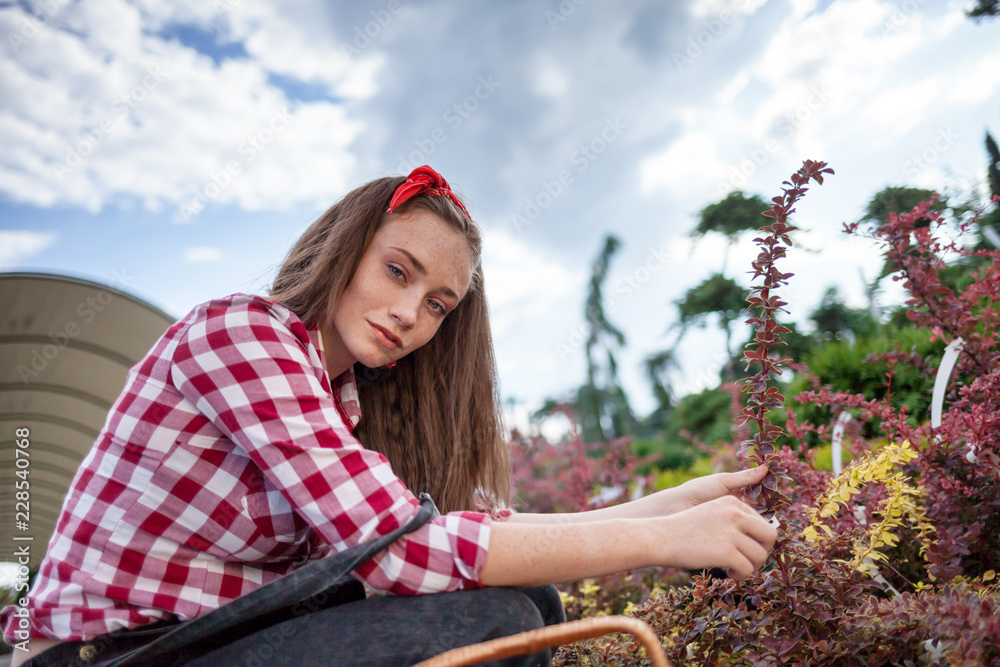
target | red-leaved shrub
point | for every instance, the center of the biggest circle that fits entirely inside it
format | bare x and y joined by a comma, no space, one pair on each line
891,563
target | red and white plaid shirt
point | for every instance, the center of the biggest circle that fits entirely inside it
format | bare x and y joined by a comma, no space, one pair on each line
226,462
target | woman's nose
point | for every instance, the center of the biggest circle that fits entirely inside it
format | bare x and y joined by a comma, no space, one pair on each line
404,310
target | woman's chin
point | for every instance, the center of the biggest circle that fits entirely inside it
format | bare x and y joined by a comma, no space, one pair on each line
375,360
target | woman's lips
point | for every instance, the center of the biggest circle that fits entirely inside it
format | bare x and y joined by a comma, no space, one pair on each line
386,337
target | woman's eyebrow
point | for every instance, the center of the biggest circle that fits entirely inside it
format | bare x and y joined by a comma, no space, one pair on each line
420,267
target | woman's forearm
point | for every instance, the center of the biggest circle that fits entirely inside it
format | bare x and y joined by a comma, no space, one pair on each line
661,503
723,532
658,504
537,553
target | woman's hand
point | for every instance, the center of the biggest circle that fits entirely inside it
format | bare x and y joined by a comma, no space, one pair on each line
695,492
720,532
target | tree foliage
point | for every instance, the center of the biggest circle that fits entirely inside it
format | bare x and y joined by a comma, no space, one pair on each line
835,320
658,366
716,295
989,222
896,199
733,215
601,399
984,9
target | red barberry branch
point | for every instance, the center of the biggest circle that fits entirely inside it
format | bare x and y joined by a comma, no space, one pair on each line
762,396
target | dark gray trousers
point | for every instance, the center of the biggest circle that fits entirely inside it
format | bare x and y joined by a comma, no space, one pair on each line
396,630
377,631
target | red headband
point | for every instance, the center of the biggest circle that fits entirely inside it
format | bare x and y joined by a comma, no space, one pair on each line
424,181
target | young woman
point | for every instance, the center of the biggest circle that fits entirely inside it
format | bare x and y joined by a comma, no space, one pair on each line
260,435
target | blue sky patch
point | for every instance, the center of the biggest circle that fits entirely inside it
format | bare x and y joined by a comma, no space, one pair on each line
204,41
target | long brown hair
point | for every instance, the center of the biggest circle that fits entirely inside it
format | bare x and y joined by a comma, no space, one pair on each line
437,415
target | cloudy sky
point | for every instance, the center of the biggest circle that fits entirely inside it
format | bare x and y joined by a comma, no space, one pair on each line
177,149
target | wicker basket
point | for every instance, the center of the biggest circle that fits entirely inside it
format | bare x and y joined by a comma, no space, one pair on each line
548,637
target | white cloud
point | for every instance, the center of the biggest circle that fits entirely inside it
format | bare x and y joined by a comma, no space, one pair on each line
710,8
900,108
520,280
824,77
550,79
202,254
975,85
100,110
688,169
535,312
737,84
18,245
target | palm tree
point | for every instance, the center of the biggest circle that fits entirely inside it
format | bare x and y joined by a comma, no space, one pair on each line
602,398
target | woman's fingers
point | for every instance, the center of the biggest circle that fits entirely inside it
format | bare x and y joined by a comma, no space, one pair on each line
761,530
752,540
742,569
723,532
736,481
747,556
753,552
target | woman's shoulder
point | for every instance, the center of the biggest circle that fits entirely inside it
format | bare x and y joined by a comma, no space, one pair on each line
242,301
230,307
243,315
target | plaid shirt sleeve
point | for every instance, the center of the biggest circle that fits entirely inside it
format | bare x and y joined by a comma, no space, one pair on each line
250,369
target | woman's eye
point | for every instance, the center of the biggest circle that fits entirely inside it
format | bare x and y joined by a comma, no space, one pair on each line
438,307
396,271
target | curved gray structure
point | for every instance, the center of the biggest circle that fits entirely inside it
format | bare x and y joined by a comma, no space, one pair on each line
66,346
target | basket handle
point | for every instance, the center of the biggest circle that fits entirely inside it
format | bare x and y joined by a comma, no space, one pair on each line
551,636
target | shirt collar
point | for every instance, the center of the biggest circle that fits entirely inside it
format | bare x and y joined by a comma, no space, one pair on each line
344,387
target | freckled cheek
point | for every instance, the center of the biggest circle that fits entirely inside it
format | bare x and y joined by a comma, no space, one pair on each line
370,292
428,329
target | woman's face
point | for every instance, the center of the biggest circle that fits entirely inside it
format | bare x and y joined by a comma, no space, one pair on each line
415,271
